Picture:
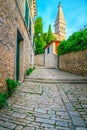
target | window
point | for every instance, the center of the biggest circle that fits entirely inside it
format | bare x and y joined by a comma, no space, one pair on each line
26,13
48,50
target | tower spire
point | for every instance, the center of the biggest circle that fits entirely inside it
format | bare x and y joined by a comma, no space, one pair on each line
60,24
60,11
59,3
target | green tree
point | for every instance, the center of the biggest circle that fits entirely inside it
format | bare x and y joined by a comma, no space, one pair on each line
39,45
76,42
45,37
38,27
50,36
38,37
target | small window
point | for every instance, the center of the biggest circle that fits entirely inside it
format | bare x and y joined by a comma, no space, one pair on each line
48,50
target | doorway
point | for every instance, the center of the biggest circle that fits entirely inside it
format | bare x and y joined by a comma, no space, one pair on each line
19,57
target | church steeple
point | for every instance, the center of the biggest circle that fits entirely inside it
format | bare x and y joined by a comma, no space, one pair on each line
60,24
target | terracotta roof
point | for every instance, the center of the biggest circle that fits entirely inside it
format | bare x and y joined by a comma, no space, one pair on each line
50,44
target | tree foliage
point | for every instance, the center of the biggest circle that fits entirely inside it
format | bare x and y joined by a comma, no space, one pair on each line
76,42
45,37
38,26
38,39
39,45
50,36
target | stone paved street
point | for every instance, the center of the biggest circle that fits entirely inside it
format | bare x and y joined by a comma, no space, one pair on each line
47,101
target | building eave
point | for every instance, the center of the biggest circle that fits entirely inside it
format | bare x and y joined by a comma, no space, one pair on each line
34,6
50,43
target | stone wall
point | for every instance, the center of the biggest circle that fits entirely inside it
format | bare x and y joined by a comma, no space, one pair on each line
11,20
39,60
74,62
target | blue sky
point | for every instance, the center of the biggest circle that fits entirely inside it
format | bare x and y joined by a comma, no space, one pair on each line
75,12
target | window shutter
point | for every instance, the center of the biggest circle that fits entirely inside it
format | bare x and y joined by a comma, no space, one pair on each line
29,25
27,17
26,13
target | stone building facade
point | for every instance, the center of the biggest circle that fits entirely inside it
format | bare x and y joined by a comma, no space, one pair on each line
16,39
50,56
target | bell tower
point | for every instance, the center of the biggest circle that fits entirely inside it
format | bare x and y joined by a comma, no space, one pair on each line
60,23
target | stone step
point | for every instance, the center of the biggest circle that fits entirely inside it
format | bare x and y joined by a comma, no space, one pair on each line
69,79
41,80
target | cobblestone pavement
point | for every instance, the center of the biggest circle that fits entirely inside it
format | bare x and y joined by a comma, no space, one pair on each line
47,106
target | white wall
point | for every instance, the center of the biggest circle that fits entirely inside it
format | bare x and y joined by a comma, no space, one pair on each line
51,60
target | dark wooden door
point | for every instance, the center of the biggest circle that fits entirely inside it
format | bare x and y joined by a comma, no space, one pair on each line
17,58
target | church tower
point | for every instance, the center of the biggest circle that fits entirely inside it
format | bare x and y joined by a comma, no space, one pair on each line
60,24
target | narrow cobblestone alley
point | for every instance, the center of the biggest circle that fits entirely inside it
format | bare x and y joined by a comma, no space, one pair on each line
48,99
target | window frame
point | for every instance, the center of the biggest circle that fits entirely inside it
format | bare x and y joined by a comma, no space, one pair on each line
48,50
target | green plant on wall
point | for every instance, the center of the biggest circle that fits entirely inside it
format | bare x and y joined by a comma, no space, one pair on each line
3,100
29,71
11,84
